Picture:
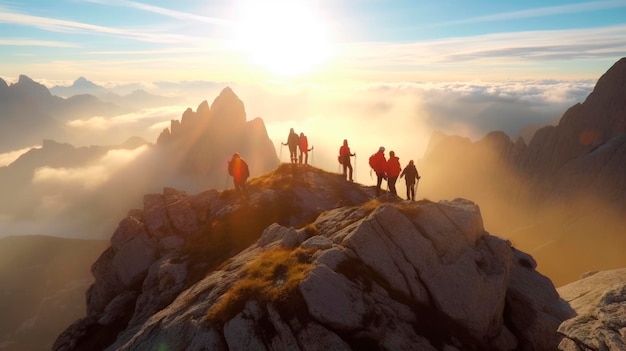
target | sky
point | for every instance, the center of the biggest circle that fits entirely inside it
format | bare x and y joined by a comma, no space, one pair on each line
321,41
371,71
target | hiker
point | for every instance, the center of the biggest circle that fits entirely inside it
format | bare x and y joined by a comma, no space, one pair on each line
292,141
344,159
303,145
378,162
238,169
393,171
411,174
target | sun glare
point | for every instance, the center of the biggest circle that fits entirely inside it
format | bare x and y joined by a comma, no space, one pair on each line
286,38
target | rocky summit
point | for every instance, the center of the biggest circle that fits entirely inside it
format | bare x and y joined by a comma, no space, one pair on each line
312,262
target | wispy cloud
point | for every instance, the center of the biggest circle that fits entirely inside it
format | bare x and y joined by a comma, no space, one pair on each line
489,49
59,25
539,12
164,11
32,42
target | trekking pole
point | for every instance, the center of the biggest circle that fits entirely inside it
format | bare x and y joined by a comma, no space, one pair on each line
311,149
355,163
416,184
280,158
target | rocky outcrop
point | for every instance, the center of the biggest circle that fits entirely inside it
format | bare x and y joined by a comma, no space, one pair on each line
599,299
310,264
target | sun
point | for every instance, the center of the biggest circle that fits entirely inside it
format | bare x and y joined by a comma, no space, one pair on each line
285,38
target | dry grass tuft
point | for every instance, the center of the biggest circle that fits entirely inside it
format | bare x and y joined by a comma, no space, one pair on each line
273,277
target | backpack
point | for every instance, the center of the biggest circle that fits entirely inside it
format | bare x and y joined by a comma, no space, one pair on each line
372,161
339,159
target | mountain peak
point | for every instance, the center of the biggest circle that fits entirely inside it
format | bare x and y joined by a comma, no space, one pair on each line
83,83
228,105
23,79
310,259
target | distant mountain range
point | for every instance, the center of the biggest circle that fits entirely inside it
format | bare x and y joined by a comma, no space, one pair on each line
29,113
138,98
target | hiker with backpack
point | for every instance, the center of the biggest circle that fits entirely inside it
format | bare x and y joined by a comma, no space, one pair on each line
378,162
393,171
303,145
412,175
292,141
344,159
238,169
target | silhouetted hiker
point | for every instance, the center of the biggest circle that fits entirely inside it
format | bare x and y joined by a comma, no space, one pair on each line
411,174
344,159
238,168
292,141
393,171
378,162
303,145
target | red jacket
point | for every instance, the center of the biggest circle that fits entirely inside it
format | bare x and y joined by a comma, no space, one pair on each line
393,167
378,162
304,143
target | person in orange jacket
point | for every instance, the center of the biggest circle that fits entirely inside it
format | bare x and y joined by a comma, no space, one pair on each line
238,169
393,171
378,162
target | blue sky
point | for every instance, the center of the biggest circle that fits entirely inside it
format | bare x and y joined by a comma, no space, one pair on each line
362,40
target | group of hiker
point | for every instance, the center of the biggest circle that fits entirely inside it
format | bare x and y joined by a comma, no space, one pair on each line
385,169
390,170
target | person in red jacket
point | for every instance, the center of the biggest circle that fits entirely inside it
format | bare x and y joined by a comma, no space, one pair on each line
393,171
303,145
238,169
378,162
344,159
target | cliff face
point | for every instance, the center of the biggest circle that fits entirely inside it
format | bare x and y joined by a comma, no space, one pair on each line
311,263
588,140
563,194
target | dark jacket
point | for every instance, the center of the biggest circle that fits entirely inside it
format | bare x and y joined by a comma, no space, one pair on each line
411,173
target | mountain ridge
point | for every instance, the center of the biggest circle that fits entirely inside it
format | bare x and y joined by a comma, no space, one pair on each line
311,262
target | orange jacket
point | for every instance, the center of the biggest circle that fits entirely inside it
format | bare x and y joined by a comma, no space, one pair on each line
238,168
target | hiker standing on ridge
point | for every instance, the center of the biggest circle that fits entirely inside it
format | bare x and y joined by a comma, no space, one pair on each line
303,145
393,171
411,174
378,162
292,141
344,159
238,168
